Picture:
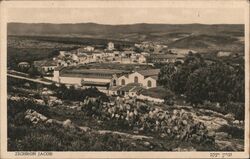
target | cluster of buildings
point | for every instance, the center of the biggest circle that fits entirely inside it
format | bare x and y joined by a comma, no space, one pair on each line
152,47
165,58
67,68
110,81
89,54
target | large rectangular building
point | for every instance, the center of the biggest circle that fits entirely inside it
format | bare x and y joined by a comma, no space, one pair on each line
84,77
113,81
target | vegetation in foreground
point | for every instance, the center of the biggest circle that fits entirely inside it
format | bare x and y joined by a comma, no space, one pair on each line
96,114
210,84
24,135
218,85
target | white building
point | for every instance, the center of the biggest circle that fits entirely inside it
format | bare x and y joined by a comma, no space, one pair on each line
23,65
87,77
223,53
142,59
45,66
85,49
146,78
98,56
111,46
64,53
75,57
112,81
89,48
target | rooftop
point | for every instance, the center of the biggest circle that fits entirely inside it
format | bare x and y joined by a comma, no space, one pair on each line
115,88
130,88
86,83
154,77
149,72
89,73
23,63
59,68
124,67
167,56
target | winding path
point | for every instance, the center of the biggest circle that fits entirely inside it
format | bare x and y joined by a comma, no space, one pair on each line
29,79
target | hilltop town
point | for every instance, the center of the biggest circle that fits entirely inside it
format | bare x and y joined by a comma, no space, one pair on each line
126,73
177,92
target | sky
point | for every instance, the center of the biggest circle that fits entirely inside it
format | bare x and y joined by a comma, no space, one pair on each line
122,15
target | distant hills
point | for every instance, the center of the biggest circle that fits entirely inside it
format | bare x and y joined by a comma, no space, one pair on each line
142,28
192,36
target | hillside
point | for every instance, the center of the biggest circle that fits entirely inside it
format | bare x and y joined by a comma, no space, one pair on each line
135,31
44,40
205,43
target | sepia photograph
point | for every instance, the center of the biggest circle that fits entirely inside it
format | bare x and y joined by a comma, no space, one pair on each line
109,76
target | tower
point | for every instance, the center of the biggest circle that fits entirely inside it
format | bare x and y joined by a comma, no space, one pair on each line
111,46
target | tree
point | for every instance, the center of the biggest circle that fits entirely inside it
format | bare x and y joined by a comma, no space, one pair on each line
191,63
196,86
169,98
179,80
138,50
238,83
32,71
166,75
194,61
218,82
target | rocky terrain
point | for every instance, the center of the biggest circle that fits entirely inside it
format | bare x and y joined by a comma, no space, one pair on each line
148,128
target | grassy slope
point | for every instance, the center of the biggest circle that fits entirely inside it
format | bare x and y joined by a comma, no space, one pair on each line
204,43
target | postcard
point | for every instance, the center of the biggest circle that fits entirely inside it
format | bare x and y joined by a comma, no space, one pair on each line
124,79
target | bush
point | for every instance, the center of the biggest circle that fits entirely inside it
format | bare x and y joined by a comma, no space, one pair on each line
169,98
218,81
79,94
17,108
238,109
234,131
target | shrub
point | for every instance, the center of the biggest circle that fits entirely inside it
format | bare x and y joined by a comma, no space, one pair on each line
238,109
234,131
79,94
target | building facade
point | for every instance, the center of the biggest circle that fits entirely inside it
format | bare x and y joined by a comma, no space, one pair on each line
111,46
145,78
106,77
23,65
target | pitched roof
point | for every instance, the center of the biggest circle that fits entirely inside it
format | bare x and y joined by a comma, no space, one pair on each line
59,68
126,88
79,75
115,88
166,56
23,63
149,72
95,83
89,73
154,77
